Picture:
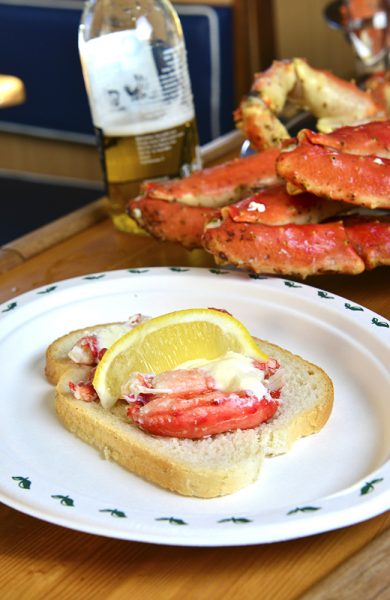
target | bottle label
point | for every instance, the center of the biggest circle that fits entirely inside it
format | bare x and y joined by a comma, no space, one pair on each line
136,87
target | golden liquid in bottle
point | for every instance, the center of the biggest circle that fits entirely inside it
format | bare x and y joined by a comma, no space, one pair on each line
130,160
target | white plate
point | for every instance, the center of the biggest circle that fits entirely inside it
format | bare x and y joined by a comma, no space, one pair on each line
339,477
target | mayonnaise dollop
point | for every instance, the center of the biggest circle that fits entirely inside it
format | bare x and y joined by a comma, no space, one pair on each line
105,337
232,372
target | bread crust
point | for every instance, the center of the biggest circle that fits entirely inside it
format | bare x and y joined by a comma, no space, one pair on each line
209,467
165,467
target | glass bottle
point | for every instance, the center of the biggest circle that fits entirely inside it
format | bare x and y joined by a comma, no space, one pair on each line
134,64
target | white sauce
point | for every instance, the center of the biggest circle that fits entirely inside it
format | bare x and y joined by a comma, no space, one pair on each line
232,372
109,335
105,337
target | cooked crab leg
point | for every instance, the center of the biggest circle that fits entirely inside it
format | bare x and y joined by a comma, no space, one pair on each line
172,221
360,179
177,222
370,138
370,239
219,185
333,101
275,206
379,86
300,250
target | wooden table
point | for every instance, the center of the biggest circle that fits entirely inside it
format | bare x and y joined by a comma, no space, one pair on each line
40,560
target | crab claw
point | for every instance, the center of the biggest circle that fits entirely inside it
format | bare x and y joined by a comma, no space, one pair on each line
337,167
294,84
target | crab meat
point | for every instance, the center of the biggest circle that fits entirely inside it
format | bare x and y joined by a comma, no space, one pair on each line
83,390
333,101
204,415
86,350
187,403
90,348
180,382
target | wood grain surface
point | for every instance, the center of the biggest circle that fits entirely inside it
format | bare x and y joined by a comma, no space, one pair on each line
365,575
39,560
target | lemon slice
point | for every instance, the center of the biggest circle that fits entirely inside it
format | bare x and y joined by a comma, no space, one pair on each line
165,342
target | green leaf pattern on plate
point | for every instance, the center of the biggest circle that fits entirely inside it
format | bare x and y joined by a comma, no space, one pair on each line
23,482
378,323
291,284
64,500
172,520
178,269
369,486
114,512
236,520
218,271
9,307
303,509
325,295
353,307
48,289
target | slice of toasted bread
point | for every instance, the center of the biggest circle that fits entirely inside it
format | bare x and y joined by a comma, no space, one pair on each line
212,466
